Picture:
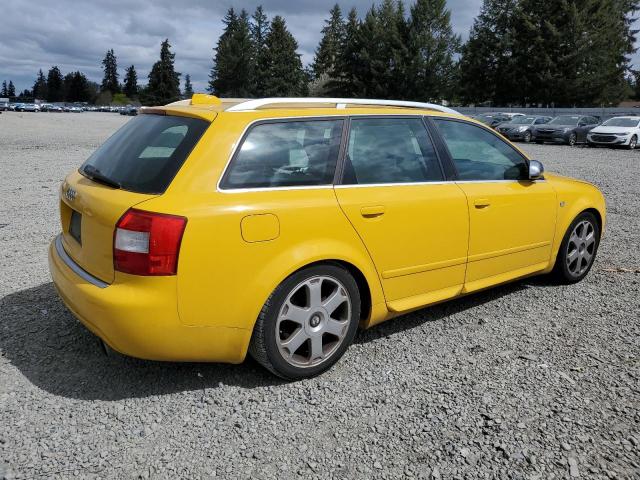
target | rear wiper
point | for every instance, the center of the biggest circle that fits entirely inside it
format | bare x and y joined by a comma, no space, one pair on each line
94,174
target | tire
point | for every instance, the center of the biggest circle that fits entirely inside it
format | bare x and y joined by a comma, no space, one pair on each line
572,140
581,241
527,137
633,143
316,306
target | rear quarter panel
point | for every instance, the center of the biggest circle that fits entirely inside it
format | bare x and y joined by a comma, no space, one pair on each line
224,279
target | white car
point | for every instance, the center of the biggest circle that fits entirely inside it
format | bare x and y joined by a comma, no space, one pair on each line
617,131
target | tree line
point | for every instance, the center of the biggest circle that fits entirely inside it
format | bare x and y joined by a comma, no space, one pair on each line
519,52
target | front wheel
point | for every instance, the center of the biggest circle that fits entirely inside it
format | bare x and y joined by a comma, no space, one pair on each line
633,143
573,139
527,137
578,249
307,323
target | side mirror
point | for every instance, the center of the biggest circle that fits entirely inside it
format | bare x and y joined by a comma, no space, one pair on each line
536,170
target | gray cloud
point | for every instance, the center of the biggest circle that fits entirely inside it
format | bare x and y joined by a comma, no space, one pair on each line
75,34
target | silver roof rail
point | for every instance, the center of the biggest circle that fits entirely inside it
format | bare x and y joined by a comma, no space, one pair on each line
340,103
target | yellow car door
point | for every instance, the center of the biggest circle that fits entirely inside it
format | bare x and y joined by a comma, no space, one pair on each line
512,219
413,223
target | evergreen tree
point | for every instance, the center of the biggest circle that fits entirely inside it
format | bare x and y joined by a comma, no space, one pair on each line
574,52
343,77
164,81
233,73
76,87
487,64
283,74
11,90
259,30
55,91
188,87
432,49
329,50
4,92
40,86
130,88
110,68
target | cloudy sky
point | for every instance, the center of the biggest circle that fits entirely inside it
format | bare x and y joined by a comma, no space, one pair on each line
74,34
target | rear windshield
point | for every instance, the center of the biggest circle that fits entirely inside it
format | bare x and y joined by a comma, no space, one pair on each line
145,154
565,120
523,120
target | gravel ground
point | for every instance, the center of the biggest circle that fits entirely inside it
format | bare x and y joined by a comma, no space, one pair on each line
526,381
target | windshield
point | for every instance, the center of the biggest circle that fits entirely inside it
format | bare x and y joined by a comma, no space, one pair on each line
146,153
565,120
523,120
621,122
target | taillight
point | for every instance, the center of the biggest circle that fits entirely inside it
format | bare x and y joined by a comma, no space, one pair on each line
147,243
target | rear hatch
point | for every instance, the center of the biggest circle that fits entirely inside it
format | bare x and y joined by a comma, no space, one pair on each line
136,164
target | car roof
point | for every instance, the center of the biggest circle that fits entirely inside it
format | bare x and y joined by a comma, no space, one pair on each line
209,106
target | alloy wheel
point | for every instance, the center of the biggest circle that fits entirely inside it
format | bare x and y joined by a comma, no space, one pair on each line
573,138
581,248
313,321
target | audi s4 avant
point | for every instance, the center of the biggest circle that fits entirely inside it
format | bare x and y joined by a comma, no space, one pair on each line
208,229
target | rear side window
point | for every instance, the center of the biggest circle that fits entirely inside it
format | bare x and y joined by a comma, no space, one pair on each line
286,154
479,154
390,150
145,154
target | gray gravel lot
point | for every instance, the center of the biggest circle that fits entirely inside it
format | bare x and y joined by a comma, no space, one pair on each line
526,381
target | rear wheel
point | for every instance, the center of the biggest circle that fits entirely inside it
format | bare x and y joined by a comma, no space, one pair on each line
578,249
307,323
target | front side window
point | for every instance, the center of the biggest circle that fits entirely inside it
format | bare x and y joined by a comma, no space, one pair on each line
479,154
390,150
286,154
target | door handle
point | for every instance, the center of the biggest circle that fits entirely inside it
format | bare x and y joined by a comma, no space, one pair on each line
373,211
482,203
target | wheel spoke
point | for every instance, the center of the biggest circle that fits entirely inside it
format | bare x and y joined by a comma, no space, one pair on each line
316,348
295,341
571,257
315,292
333,301
294,313
334,327
590,239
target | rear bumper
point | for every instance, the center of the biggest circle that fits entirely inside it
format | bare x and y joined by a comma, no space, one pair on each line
138,316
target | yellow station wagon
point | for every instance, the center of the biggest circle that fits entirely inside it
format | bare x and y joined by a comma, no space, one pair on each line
207,229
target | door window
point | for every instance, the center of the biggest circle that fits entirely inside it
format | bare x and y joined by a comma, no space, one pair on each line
390,150
479,154
286,154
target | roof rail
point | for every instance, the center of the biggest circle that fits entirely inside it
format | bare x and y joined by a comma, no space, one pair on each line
339,102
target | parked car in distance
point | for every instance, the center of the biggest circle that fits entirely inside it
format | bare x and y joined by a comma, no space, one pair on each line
491,119
27,107
566,129
205,230
129,110
76,109
521,127
616,132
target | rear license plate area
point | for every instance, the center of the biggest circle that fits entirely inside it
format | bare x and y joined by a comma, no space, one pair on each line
75,226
